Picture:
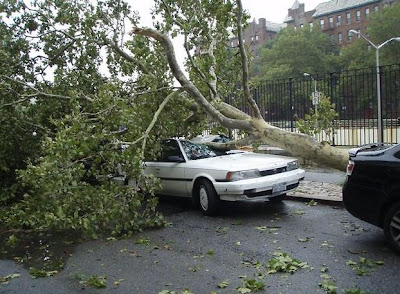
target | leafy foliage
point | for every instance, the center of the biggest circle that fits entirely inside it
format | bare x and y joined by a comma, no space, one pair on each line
319,120
282,262
70,128
251,285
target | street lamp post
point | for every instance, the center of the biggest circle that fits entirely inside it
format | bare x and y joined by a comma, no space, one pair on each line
315,94
378,79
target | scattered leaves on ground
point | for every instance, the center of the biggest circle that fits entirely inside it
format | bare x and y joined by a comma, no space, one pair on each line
220,230
282,262
224,284
36,273
306,239
328,284
142,241
364,266
185,291
250,285
298,212
96,281
312,203
326,244
355,291
117,282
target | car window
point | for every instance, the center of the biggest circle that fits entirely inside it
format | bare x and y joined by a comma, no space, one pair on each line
170,148
194,151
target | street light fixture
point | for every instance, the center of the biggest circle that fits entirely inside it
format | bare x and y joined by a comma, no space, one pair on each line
378,79
315,94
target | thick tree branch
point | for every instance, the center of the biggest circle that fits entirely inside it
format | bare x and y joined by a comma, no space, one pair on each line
188,85
245,66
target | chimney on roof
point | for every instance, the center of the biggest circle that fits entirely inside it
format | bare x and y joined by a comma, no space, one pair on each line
262,22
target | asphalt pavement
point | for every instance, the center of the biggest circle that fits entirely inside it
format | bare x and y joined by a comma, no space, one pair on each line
325,247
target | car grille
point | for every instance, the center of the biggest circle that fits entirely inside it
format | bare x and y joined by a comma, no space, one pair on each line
273,171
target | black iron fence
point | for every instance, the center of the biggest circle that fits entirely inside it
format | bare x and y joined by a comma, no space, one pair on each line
354,95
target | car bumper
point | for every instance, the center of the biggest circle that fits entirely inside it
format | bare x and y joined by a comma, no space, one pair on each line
364,202
261,188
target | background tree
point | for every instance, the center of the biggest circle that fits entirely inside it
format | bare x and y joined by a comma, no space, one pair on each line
383,25
297,51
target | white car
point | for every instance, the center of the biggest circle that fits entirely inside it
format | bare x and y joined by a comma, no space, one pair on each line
190,170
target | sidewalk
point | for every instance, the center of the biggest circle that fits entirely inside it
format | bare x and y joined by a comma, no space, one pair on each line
320,184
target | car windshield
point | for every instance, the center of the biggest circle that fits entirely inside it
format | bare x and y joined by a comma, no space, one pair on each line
195,151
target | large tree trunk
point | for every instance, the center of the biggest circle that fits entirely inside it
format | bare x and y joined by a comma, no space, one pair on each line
301,145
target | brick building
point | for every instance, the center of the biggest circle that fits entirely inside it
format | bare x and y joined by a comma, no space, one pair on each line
336,17
257,33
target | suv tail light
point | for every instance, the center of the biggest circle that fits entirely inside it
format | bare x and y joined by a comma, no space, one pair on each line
350,167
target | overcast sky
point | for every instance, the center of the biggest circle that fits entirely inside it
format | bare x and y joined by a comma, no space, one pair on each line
272,10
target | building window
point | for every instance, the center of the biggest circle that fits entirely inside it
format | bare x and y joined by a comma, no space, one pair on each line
311,24
358,15
301,25
376,8
339,38
331,37
348,15
385,5
232,44
348,36
257,38
322,24
366,12
339,20
358,31
331,22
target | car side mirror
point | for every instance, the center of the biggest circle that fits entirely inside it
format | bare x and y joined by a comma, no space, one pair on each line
175,158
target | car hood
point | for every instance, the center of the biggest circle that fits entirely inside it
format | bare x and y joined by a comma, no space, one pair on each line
242,161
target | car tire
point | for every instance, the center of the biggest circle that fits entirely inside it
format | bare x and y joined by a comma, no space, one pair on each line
206,197
278,198
392,227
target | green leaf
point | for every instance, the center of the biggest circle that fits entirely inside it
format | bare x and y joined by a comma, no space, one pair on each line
224,284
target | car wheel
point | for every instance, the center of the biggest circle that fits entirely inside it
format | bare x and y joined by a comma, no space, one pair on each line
278,198
392,227
207,197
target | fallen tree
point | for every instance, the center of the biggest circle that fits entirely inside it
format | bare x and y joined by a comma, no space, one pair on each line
258,129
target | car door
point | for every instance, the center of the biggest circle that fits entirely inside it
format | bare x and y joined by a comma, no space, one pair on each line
170,169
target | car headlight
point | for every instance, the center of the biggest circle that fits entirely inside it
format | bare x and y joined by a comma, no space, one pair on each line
292,165
243,175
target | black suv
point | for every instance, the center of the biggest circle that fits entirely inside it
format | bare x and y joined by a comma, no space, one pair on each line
372,189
